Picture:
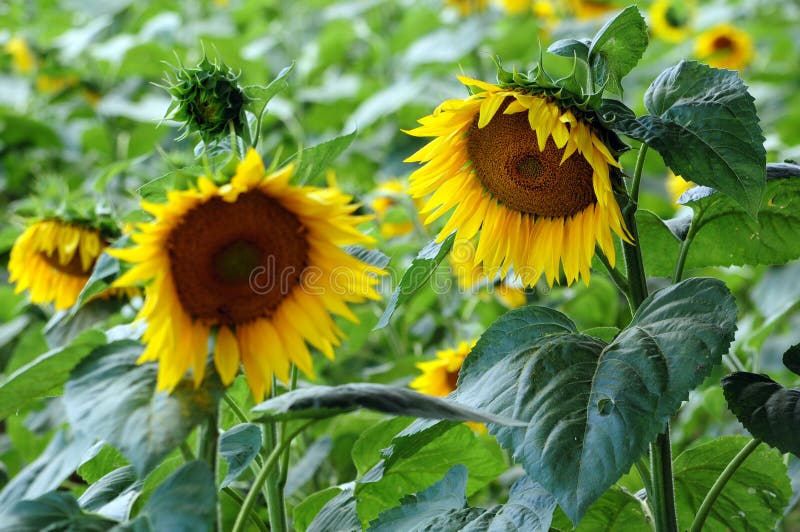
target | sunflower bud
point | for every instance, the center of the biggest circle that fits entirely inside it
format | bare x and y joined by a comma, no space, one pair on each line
207,98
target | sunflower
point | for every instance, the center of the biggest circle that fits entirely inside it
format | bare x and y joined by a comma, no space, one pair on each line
510,296
22,58
385,206
53,259
256,263
725,46
439,376
676,186
516,7
671,20
591,8
532,177
467,7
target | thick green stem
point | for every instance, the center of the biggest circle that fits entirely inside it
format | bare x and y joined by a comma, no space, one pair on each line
662,492
236,496
284,466
677,274
617,276
208,439
269,468
719,484
274,493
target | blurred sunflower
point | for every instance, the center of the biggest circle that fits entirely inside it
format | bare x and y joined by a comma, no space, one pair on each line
385,206
516,7
53,259
591,8
510,296
671,20
22,57
468,7
725,46
676,186
52,84
529,175
258,262
439,376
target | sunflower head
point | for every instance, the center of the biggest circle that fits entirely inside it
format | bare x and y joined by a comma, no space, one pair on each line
725,46
468,7
671,20
526,175
256,264
676,186
439,376
591,8
22,57
53,259
517,7
208,99
391,215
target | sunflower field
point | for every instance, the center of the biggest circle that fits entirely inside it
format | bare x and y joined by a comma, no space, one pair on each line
399,265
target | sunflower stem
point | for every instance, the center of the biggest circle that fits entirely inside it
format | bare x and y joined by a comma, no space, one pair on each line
237,497
274,493
284,467
208,439
269,467
677,274
662,492
719,484
617,276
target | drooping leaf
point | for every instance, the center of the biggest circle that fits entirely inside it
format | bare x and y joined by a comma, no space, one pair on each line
753,498
238,446
113,495
305,512
371,256
52,511
105,271
617,47
767,410
339,513
726,235
319,402
704,124
384,485
307,466
186,500
443,507
577,48
312,161
415,277
593,407
63,455
616,510
47,372
111,397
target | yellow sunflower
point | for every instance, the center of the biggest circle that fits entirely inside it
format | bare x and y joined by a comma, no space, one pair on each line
516,7
384,204
53,259
256,262
467,7
439,376
530,176
22,58
725,46
591,8
676,186
510,296
671,20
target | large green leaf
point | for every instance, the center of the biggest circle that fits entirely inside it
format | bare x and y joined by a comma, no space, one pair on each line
113,495
52,511
617,510
394,476
617,47
339,514
443,508
47,372
417,275
592,408
704,124
726,235
754,497
325,401
238,446
186,500
312,161
111,397
767,410
310,509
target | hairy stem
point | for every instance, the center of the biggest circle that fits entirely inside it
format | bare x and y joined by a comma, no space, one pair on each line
719,484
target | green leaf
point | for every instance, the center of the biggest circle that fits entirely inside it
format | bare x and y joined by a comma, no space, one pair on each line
306,511
592,407
367,450
372,257
726,234
186,500
754,497
105,271
384,485
319,402
107,460
112,398
265,93
238,446
339,514
47,372
767,410
578,48
417,275
442,507
303,471
63,455
617,48
312,161
617,510
67,325
113,495
52,511
704,124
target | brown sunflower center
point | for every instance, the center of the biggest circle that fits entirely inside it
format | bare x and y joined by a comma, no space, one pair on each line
506,158
74,267
451,377
722,43
235,262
